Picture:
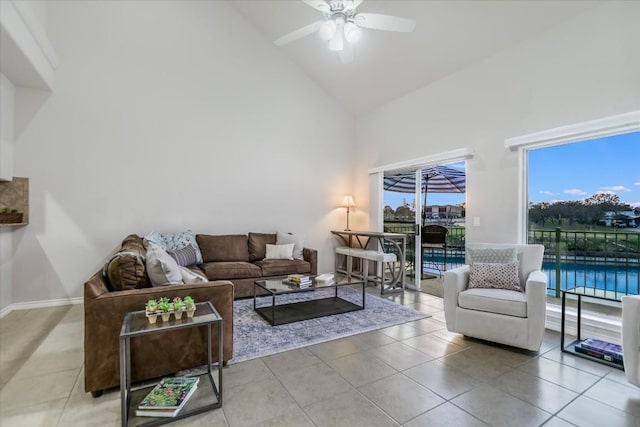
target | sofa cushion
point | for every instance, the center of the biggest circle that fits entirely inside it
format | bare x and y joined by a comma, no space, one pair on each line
229,270
500,301
282,267
285,238
225,248
161,268
175,241
258,243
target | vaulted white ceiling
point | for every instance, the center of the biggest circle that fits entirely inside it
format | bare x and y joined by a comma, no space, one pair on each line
449,35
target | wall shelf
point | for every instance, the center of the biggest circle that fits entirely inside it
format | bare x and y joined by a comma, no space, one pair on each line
15,194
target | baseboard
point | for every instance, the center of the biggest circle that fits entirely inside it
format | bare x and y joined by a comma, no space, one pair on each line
594,325
39,304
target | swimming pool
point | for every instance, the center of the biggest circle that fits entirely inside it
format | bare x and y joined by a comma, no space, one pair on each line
618,277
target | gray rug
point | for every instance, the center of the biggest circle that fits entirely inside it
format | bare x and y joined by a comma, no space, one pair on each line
253,337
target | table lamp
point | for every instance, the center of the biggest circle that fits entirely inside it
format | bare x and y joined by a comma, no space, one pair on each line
347,202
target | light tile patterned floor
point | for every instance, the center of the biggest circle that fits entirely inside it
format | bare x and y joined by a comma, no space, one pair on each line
416,374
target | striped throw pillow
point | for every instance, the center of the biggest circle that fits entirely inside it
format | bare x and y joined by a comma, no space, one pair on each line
185,256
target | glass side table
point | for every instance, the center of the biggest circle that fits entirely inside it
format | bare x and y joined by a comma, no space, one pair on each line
570,348
207,396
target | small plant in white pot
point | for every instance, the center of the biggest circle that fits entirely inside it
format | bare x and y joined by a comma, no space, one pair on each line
151,308
165,308
178,307
190,305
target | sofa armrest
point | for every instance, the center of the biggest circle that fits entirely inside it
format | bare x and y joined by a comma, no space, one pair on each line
455,281
311,256
536,293
103,316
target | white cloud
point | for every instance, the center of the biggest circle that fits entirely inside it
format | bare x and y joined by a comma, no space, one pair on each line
635,205
615,188
575,192
549,193
637,183
612,193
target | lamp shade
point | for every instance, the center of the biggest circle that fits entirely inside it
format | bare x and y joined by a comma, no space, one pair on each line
352,32
347,201
327,30
337,42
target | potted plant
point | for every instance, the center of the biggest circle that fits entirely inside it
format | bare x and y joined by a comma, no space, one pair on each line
151,308
178,307
10,216
189,305
165,308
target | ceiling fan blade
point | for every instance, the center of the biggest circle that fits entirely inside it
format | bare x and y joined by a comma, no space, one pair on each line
298,34
378,21
346,54
318,5
353,4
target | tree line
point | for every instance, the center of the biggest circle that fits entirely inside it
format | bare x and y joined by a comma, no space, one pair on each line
588,211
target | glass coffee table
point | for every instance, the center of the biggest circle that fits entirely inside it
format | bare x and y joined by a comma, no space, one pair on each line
280,314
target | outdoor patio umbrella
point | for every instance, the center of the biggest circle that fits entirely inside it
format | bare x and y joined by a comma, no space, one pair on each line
435,179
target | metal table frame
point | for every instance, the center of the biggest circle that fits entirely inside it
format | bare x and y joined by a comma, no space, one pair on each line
569,348
302,310
205,315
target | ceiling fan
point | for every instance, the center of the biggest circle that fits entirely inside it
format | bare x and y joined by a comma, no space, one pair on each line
342,23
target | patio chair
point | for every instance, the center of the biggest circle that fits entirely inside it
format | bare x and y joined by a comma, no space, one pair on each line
434,238
631,337
504,316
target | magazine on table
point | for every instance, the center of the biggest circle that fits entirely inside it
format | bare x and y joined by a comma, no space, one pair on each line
168,397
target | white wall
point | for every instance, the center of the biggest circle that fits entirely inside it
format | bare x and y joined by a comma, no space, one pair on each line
168,116
7,108
585,69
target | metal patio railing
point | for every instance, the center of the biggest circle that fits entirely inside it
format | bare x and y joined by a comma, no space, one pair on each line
594,262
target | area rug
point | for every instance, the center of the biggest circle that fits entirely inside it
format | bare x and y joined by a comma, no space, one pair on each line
253,337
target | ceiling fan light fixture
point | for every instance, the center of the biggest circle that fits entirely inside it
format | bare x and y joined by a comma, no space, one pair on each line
352,32
327,30
337,42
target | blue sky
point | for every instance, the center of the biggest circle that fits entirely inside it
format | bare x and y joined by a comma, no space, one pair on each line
579,170
569,172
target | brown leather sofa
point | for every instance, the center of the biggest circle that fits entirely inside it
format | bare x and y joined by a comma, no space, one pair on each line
240,259
232,263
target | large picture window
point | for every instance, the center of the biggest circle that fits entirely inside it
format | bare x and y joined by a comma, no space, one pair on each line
583,204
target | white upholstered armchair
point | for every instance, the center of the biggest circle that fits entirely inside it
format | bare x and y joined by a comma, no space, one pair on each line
500,315
631,337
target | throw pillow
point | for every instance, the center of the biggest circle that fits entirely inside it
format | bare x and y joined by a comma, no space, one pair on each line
279,251
492,255
286,238
125,271
190,277
161,268
185,256
494,276
175,241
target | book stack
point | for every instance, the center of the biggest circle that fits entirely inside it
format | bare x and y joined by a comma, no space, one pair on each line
168,397
298,280
600,349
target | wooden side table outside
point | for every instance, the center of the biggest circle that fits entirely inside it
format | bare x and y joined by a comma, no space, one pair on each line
135,324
